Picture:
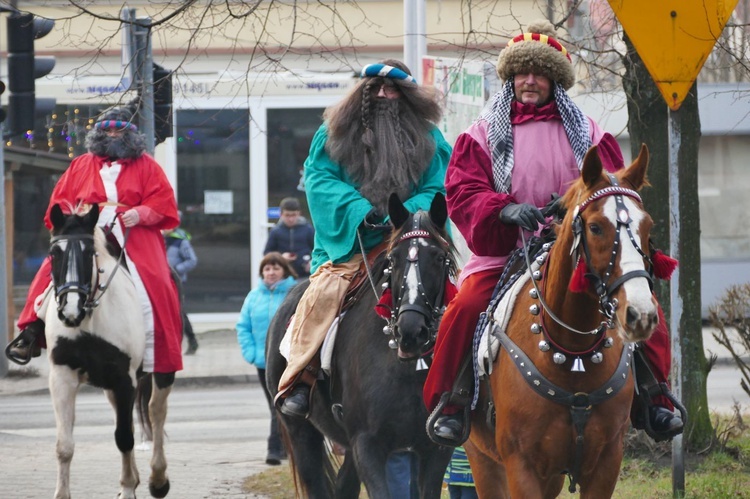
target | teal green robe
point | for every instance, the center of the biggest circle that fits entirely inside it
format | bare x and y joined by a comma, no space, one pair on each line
338,209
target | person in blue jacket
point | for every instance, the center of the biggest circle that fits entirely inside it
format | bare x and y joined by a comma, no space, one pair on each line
277,278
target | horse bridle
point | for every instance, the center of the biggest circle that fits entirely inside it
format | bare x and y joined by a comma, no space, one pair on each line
86,289
73,253
432,312
602,285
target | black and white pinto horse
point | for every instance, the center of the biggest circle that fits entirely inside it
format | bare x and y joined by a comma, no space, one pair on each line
371,403
95,334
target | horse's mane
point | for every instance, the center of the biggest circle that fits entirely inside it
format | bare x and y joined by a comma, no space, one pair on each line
440,235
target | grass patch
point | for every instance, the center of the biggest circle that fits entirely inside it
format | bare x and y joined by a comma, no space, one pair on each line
722,472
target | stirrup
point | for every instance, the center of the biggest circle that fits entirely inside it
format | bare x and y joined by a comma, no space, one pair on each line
21,361
648,388
437,413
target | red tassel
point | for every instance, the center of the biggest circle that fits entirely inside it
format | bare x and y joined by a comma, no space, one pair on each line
663,265
579,282
450,291
385,304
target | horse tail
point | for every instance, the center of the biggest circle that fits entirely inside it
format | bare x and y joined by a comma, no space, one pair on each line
330,463
142,398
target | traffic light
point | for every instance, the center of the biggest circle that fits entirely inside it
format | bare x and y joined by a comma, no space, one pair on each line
23,68
162,103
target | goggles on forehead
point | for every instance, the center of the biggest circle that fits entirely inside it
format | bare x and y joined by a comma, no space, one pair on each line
115,125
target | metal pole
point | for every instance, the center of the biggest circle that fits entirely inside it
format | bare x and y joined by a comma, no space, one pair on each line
410,29
421,38
147,84
6,276
678,457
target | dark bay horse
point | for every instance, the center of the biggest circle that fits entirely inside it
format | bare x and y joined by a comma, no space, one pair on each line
372,401
562,384
95,334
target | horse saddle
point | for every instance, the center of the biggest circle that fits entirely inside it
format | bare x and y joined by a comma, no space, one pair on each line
353,293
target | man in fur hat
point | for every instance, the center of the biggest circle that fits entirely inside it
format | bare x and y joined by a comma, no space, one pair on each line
131,187
378,140
528,143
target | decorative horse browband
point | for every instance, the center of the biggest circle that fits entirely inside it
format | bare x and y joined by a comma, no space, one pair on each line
385,307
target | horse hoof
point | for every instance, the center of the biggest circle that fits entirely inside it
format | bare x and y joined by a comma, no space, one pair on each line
159,491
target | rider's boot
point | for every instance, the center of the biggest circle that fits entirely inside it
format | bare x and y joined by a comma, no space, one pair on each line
297,403
25,346
659,422
449,424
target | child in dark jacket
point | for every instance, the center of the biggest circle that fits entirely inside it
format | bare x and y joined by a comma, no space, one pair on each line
292,237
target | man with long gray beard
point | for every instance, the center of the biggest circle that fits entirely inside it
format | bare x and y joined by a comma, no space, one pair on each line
133,194
380,139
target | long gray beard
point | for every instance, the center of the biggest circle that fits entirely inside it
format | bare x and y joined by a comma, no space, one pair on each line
392,160
129,145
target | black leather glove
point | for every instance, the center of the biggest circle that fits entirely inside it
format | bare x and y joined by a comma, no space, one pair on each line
554,207
374,217
524,215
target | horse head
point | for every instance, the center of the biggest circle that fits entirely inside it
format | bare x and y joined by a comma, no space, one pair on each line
421,264
607,233
72,256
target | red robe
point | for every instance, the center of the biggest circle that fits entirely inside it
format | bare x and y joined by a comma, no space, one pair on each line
142,185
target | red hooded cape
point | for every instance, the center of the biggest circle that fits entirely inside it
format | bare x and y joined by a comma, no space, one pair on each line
141,184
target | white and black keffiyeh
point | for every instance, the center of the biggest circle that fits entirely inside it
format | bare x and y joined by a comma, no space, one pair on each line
500,131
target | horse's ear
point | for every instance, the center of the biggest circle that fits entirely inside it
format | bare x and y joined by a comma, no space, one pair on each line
92,216
439,210
592,167
56,216
636,172
397,211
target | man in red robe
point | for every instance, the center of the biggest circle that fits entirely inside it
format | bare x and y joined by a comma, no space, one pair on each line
133,195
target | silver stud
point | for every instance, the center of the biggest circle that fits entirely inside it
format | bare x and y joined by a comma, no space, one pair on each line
609,342
393,344
540,259
101,271
387,330
546,246
534,309
387,271
559,358
536,328
597,358
384,285
543,346
533,293
537,275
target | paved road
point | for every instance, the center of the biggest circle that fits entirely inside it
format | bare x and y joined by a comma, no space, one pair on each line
216,438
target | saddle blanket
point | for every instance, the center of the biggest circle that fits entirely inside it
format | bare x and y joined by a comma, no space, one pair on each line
326,351
489,344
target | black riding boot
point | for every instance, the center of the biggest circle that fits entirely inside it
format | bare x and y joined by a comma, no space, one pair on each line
297,404
25,346
656,420
453,429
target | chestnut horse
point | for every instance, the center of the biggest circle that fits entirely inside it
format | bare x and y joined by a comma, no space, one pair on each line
562,384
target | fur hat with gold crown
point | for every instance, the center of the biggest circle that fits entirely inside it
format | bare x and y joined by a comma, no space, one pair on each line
537,51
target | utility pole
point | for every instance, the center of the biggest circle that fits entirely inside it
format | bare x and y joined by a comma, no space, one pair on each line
146,69
138,59
4,284
415,43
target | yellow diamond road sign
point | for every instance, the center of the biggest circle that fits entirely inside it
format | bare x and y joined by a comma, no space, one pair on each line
674,38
